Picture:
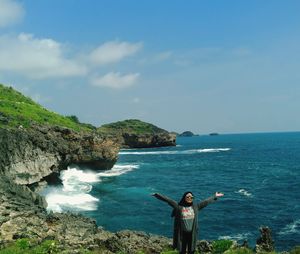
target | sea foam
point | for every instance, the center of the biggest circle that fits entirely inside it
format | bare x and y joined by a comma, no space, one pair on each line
291,228
237,237
74,194
244,192
192,151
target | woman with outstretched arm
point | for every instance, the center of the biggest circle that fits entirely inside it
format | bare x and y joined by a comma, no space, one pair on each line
185,215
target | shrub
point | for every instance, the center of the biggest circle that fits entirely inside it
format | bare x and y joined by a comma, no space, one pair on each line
23,244
241,250
295,250
220,246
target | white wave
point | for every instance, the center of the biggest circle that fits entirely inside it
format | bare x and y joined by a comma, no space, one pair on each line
58,202
77,174
76,180
237,237
244,192
192,151
291,228
77,183
118,170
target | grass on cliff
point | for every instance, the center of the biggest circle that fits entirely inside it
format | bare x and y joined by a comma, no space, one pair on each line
17,109
131,126
25,246
31,246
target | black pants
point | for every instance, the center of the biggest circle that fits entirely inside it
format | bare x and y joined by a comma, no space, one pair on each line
186,243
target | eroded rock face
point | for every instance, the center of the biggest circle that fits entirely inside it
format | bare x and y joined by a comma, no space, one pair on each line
29,155
148,140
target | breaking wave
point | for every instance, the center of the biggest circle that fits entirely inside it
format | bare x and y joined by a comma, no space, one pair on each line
74,194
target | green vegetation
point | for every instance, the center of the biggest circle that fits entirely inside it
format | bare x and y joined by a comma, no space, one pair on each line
295,250
131,126
241,250
31,246
26,246
220,246
17,109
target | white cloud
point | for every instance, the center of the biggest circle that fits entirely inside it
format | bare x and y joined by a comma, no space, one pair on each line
116,80
11,12
114,51
37,58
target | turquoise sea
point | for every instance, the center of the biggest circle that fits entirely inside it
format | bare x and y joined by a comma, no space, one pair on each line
258,173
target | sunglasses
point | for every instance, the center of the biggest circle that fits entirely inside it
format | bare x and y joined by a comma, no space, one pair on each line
189,197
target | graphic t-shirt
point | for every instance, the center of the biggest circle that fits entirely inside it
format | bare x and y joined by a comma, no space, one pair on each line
187,218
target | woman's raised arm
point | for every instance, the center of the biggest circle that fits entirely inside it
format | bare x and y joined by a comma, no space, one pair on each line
166,199
209,200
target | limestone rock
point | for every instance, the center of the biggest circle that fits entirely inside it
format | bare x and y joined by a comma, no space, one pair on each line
30,155
132,242
148,140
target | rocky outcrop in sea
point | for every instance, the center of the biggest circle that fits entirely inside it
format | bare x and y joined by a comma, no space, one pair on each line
162,139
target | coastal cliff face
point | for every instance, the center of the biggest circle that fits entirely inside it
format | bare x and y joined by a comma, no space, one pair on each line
133,133
31,155
148,140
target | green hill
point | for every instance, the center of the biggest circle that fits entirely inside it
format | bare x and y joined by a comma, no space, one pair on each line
17,109
131,126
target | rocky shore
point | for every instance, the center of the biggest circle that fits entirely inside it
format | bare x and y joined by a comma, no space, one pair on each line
23,216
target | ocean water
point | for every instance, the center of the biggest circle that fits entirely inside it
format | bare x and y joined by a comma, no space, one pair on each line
258,173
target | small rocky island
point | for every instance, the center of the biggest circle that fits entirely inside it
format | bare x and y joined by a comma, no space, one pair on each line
187,134
36,144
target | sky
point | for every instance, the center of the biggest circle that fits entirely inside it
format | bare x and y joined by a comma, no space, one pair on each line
225,66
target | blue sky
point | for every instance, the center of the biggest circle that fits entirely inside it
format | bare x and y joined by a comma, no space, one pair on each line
205,66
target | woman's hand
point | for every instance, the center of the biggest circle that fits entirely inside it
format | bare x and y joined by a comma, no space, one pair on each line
219,194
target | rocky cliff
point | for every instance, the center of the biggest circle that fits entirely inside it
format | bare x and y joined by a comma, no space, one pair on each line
134,133
35,154
129,140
